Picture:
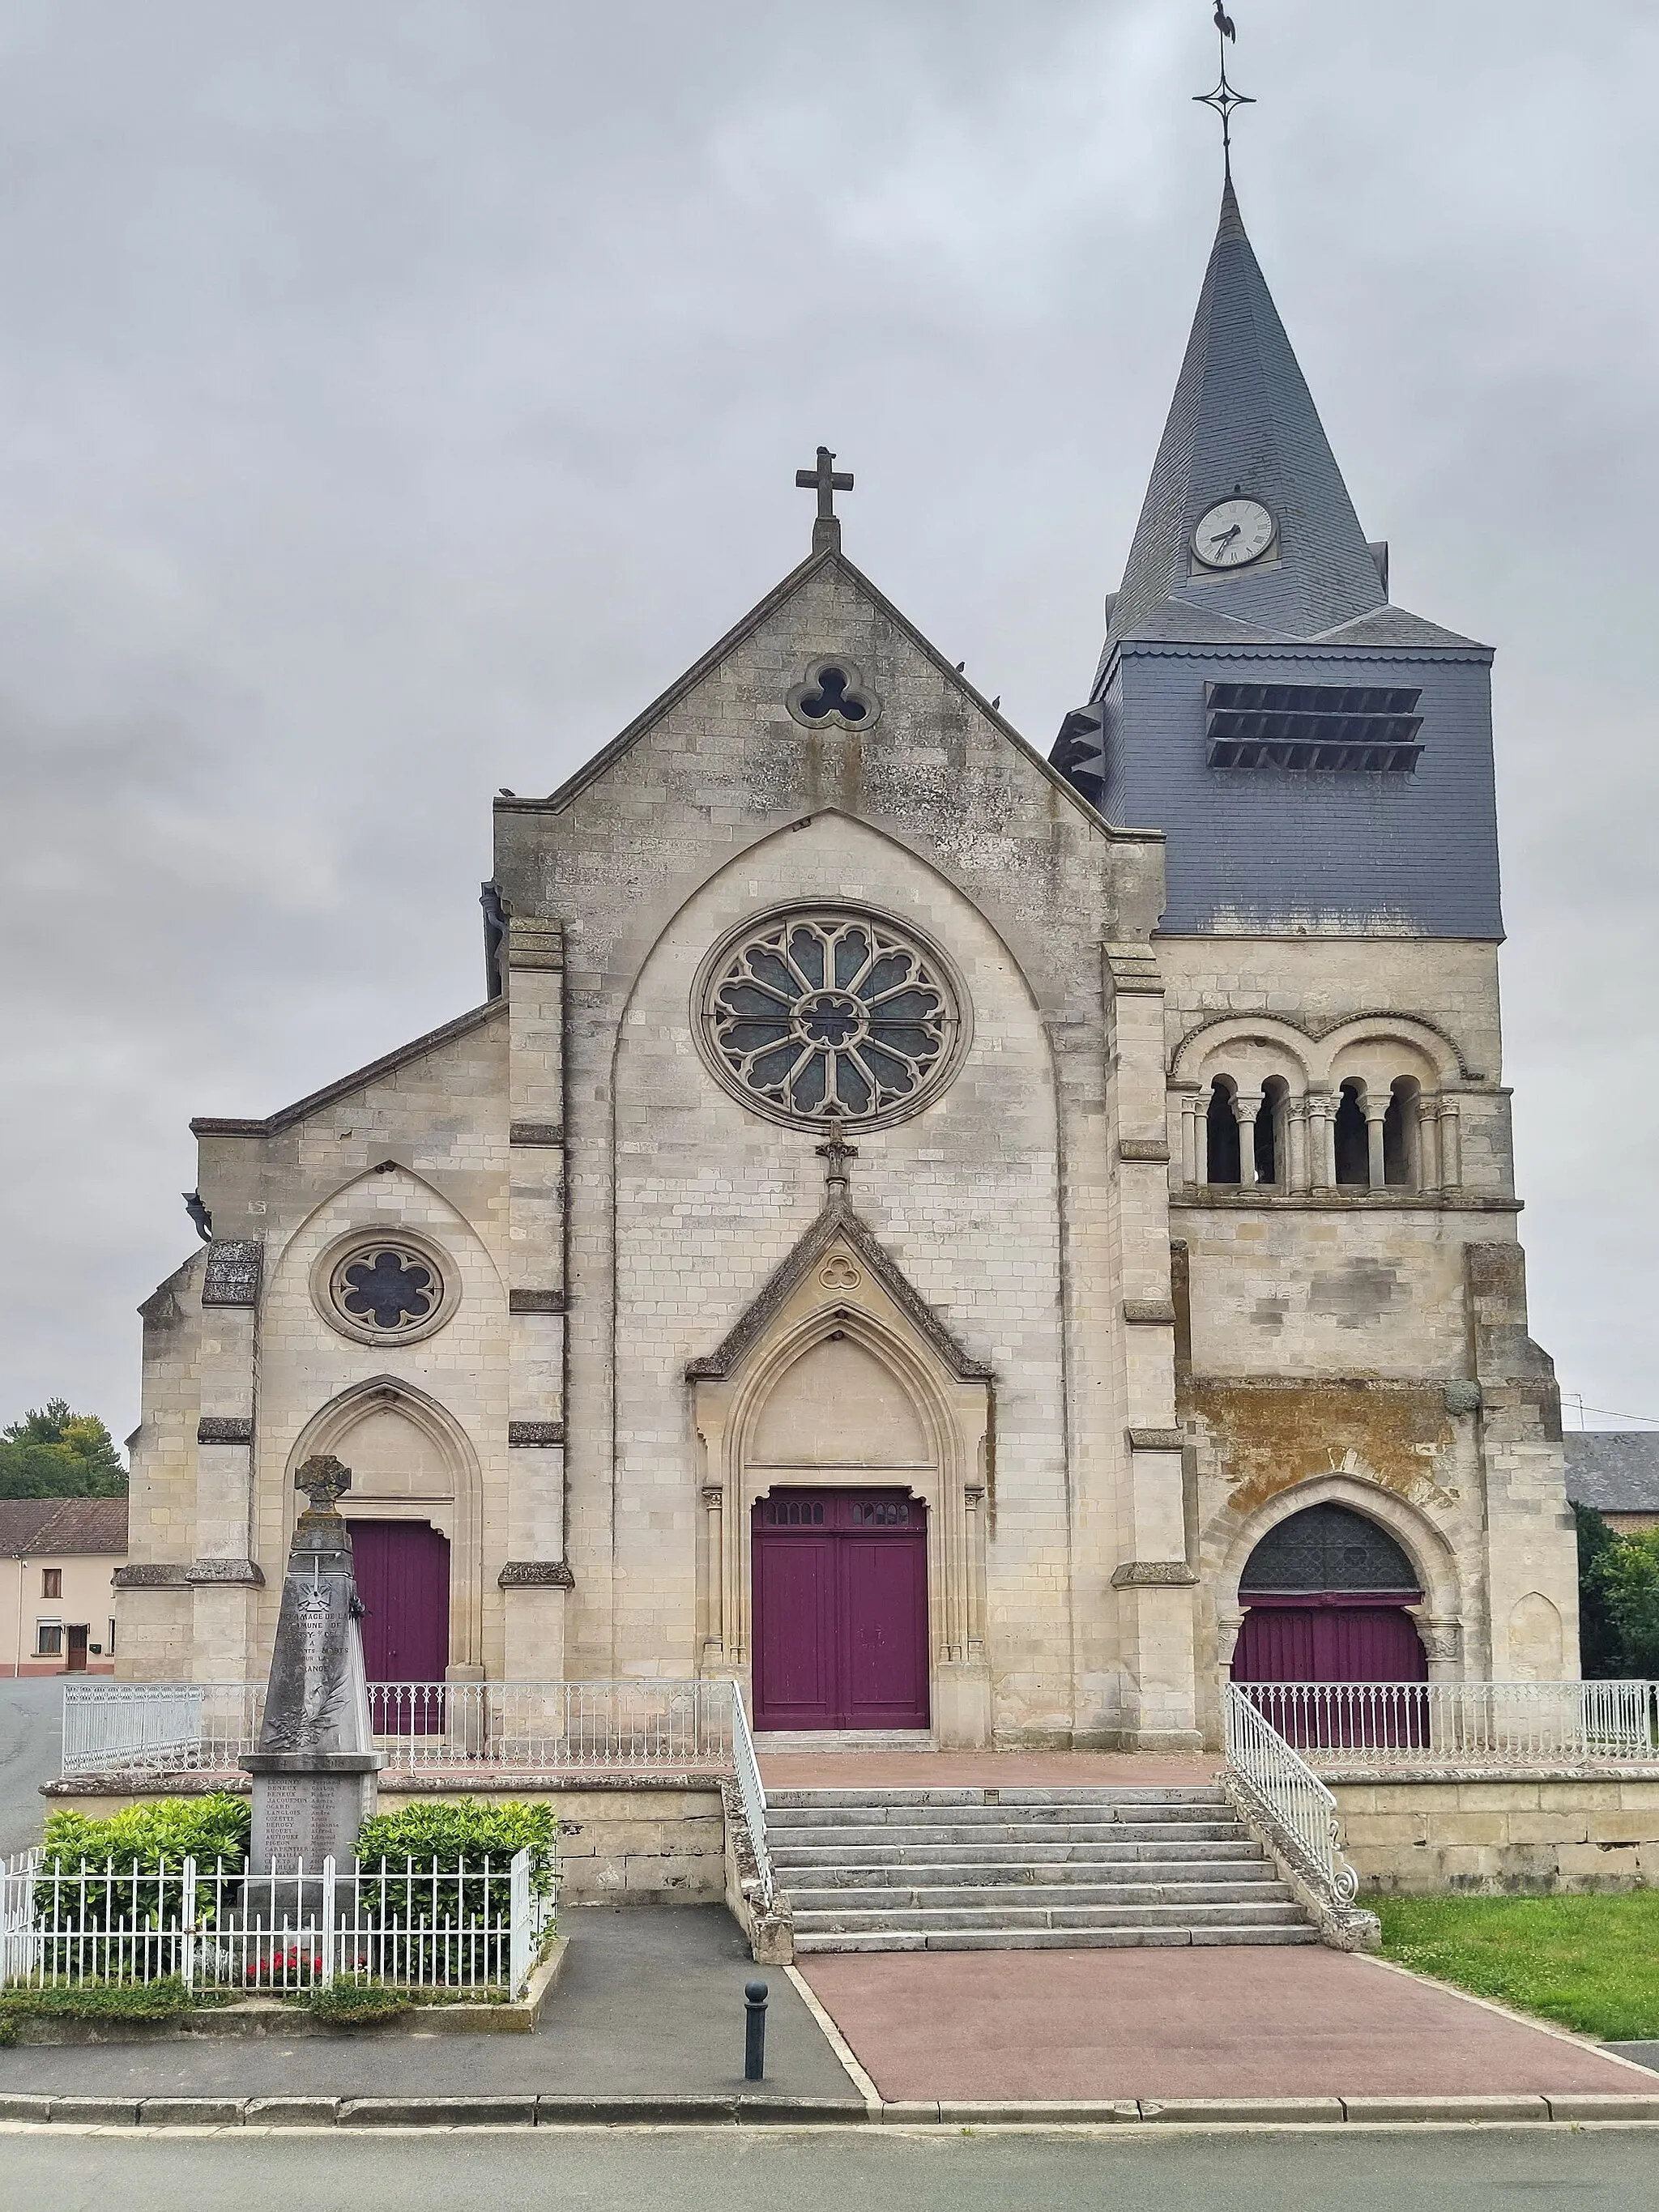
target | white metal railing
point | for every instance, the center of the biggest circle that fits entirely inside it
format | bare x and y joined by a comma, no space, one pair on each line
167,1725
545,1727
753,1791
1286,1790
474,1928
1453,1724
532,1727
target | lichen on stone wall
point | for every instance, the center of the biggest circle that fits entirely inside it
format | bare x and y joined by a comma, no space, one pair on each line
1269,1436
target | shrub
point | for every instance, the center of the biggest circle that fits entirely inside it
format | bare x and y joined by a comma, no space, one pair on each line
128,1852
156,1999
412,1852
212,1830
443,1832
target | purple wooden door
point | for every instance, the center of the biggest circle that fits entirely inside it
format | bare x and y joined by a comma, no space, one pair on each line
402,1569
1331,1639
839,1579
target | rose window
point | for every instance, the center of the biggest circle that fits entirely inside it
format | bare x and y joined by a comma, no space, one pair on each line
825,1016
391,1288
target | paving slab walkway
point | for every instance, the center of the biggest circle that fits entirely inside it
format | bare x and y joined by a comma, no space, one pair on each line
650,2003
966,2026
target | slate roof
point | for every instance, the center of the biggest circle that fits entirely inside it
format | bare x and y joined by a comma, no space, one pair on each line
1242,415
1614,1470
62,1527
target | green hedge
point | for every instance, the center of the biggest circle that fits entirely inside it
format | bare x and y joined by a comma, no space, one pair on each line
443,1832
212,1830
208,1829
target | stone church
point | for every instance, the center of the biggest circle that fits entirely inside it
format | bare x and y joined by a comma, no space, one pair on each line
964,1243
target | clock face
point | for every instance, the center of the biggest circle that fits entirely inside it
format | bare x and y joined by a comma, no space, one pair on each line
1234,532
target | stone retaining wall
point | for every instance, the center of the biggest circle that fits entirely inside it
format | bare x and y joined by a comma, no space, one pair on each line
631,1840
1415,1835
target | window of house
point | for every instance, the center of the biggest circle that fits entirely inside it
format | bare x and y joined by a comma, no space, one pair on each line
51,1582
48,1639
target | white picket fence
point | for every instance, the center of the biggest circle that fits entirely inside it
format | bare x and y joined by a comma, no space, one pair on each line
471,1930
541,1728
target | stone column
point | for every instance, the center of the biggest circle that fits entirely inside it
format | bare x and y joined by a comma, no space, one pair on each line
1245,1110
1296,1130
1451,1146
535,1576
1428,1145
1190,1158
713,1635
1321,1140
1375,1109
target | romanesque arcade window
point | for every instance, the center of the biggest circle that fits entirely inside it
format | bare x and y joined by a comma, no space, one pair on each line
818,1016
1278,1133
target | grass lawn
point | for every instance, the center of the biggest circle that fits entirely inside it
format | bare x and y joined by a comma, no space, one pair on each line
1590,1963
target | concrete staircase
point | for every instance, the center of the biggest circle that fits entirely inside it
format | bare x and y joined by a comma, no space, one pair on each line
1022,1869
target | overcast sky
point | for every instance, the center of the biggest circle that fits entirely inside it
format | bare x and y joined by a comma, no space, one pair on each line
396,394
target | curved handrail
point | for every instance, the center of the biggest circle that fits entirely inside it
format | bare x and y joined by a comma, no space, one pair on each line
1290,1794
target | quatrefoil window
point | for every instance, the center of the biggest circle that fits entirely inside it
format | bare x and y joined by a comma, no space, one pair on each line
821,1016
388,1287
833,695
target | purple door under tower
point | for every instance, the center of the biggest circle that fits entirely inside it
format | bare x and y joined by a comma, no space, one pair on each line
841,1610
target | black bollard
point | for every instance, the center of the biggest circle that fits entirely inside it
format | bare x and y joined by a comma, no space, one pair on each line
754,2032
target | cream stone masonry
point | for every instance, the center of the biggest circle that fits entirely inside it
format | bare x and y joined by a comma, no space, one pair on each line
1105,1376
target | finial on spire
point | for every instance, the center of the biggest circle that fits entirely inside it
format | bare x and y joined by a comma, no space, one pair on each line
1224,98
826,479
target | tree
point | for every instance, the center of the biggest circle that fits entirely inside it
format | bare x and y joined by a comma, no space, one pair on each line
1598,1639
55,1453
1628,1573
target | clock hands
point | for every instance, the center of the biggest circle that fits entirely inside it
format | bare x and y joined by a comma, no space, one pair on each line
1219,545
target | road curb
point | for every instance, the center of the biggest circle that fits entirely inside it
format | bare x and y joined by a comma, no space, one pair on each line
154,2114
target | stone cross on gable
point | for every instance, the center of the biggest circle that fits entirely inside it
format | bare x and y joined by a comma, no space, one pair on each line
325,1482
826,479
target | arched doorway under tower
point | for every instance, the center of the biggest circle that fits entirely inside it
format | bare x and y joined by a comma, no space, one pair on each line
1326,1594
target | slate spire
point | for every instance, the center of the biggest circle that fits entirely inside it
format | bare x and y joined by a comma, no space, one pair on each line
1242,418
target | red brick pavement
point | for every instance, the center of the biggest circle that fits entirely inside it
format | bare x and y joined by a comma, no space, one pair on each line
1177,2022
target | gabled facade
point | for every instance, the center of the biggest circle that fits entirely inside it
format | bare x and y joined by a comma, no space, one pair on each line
817,1262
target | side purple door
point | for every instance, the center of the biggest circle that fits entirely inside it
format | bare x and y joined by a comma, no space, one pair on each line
402,1569
841,1610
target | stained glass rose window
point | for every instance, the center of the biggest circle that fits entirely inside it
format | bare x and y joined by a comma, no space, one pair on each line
818,1017
387,1286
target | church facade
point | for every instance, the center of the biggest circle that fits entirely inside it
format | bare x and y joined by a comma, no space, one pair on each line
895,1236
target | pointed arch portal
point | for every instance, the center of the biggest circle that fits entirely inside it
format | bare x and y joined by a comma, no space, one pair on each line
842,1566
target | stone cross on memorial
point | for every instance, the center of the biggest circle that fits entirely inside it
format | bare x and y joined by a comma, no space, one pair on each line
314,1772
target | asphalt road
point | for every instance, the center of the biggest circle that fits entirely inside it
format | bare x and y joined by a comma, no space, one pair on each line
31,1736
1466,2170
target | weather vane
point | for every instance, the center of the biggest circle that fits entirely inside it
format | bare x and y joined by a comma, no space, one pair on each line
1224,99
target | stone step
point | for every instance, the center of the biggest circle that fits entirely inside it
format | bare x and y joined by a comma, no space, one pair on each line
1193,1794
999,1912
1047,1939
1224,1850
847,1900
967,1880
869,1816
1008,1834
